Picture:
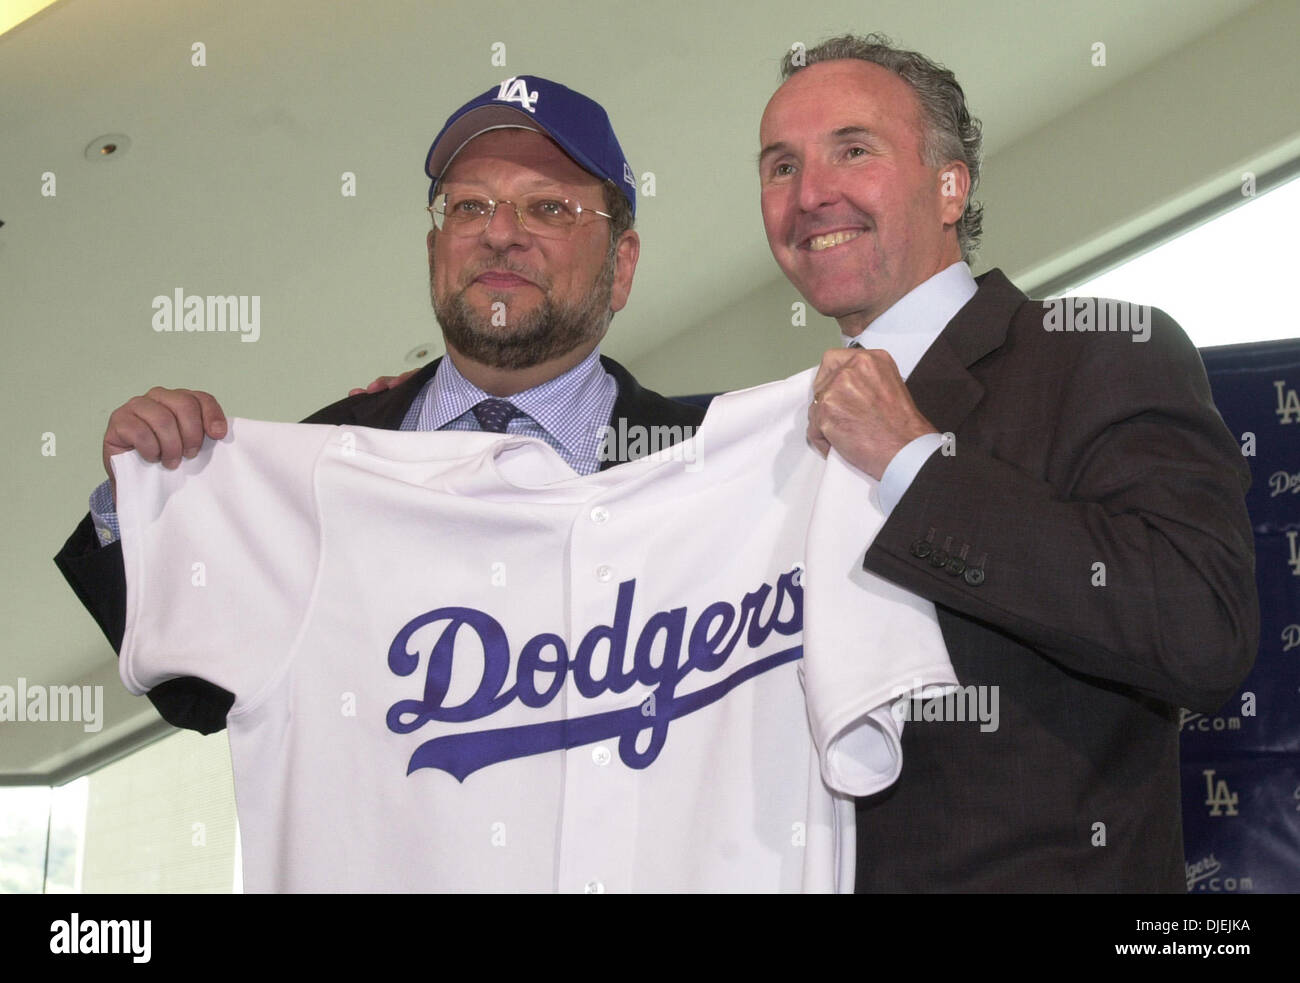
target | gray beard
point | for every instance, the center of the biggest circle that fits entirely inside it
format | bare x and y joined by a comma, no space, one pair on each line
546,332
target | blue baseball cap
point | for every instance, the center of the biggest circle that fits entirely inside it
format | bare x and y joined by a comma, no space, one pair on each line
579,125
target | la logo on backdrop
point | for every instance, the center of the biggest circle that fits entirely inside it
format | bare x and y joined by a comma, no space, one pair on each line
1288,402
713,638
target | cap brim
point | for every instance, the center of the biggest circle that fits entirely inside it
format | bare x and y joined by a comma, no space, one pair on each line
472,124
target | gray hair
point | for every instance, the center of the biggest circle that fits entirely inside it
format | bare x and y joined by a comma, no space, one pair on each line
950,131
618,206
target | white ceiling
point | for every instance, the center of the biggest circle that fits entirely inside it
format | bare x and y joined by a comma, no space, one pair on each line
231,185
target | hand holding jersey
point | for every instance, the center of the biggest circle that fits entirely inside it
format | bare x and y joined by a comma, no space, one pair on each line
163,425
559,696
862,408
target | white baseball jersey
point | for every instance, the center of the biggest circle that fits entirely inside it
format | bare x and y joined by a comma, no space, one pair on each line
459,666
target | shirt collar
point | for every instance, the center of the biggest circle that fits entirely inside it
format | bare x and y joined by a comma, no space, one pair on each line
552,404
927,308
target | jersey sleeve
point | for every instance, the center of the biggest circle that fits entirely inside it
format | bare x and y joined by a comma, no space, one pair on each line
220,557
869,645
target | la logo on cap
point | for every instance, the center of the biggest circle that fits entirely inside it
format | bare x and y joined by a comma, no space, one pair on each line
514,90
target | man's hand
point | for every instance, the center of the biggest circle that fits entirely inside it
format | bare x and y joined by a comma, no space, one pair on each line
163,425
384,382
862,408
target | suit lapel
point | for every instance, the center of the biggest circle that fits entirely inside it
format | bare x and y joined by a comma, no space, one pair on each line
941,384
643,407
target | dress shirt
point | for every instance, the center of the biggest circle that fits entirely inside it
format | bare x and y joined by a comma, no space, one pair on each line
906,331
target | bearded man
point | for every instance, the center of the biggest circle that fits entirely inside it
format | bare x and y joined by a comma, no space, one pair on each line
531,254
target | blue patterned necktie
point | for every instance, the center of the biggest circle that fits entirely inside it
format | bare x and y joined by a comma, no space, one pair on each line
494,414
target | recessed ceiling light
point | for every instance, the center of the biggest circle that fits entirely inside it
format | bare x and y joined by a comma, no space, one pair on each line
420,352
108,147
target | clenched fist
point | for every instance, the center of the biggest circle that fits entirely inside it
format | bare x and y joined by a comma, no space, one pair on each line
862,408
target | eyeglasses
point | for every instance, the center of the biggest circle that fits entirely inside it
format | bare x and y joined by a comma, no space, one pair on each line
541,213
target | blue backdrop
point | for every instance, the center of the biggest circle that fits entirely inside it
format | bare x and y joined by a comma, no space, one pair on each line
1241,767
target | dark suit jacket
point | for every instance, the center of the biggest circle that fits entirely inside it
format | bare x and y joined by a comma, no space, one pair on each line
97,576
1072,449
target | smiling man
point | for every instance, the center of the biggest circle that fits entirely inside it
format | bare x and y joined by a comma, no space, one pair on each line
1071,502
531,254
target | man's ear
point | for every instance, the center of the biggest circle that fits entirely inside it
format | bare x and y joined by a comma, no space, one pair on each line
954,189
625,257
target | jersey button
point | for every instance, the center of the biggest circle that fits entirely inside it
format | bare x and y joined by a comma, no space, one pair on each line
594,887
599,515
600,755
604,573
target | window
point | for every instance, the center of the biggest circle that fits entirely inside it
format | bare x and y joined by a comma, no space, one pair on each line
1228,281
159,820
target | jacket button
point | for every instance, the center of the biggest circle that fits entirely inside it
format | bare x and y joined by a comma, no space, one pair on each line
956,565
922,549
974,576
938,558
